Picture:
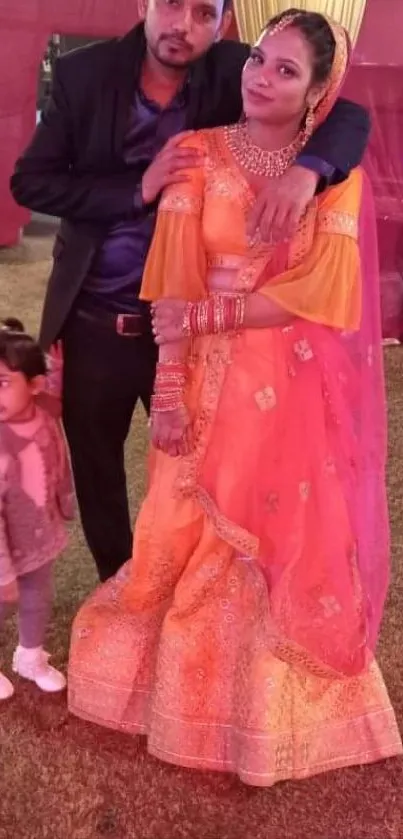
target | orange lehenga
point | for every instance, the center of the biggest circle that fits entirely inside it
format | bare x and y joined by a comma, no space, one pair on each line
237,637
241,635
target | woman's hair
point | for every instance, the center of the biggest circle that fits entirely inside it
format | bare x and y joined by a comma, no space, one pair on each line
19,352
318,34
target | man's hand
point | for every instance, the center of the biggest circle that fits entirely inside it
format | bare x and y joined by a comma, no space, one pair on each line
168,167
171,432
281,204
167,320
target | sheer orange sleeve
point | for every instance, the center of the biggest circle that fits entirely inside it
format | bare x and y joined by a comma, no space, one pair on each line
176,264
326,286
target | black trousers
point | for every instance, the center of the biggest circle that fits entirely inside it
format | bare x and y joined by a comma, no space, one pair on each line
105,374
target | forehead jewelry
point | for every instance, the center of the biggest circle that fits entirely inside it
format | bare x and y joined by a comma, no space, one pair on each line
286,21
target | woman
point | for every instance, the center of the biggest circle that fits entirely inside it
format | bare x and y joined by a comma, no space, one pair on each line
241,635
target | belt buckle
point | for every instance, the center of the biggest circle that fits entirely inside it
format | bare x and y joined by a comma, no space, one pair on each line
121,326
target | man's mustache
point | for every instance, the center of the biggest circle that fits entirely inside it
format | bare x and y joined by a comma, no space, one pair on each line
176,39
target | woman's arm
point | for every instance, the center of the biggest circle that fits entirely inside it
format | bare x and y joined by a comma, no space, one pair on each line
324,287
176,267
263,313
172,318
177,351
170,425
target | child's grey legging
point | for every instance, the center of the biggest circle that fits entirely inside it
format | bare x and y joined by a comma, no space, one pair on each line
34,605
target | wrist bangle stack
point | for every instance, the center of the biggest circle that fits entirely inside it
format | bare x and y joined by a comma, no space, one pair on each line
214,316
169,387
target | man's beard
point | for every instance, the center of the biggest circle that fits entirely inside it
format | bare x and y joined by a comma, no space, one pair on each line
172,64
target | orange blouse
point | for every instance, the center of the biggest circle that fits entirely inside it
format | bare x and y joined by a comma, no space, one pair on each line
202,224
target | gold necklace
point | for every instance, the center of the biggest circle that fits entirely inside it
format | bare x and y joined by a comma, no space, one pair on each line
257,161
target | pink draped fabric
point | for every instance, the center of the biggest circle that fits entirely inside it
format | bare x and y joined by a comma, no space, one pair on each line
372,521
380,89
312,494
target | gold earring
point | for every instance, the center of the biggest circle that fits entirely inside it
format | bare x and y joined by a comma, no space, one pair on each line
309,122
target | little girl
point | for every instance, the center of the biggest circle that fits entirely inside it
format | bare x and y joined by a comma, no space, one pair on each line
36,498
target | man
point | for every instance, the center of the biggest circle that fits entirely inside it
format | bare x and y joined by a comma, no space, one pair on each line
104,150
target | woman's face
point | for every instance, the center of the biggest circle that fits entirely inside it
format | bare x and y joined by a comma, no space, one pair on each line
277,78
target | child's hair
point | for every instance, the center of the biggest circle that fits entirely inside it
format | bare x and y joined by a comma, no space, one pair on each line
18,351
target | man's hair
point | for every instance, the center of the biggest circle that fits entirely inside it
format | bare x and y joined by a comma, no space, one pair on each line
227,5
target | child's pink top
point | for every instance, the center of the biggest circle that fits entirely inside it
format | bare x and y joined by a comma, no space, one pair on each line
36,495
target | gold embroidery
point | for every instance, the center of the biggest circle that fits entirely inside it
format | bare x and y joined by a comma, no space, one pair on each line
273,502
181,204
303,350
301,243
219,186
266,399
333,221
153,654
215,364
331,606
232,534
304,490
225,260
340,66
329,466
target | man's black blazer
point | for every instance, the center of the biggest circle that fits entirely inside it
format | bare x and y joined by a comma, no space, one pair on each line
74,166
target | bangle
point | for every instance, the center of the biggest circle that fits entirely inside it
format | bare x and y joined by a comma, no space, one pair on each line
169,386
214,316
173,401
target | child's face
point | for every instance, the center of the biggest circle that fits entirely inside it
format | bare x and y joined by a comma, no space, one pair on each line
16,395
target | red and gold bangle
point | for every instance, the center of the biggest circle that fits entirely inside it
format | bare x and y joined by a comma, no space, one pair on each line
169,386
217,315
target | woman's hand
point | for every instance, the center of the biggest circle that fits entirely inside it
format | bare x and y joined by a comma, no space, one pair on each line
281,205
167,318
171,432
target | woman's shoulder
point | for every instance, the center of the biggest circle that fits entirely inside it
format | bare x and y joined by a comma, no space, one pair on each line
205,139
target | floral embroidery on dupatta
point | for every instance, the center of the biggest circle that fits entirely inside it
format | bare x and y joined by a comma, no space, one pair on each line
217,359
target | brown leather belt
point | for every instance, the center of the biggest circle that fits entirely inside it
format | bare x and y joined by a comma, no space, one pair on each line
127,325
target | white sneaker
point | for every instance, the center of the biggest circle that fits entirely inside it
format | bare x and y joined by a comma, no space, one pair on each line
33,665
6,688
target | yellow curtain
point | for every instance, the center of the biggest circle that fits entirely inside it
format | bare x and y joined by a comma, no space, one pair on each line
252,15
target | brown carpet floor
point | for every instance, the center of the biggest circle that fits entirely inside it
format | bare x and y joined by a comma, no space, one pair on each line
63,779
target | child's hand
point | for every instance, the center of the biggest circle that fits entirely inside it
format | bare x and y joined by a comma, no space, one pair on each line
56,353
54,378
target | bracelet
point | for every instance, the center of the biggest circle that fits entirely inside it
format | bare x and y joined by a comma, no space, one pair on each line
214,316
169,386
167,402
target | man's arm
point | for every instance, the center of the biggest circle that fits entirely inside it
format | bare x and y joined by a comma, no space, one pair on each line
44,179
339,144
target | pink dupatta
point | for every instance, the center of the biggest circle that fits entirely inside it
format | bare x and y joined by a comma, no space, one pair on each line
302,490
